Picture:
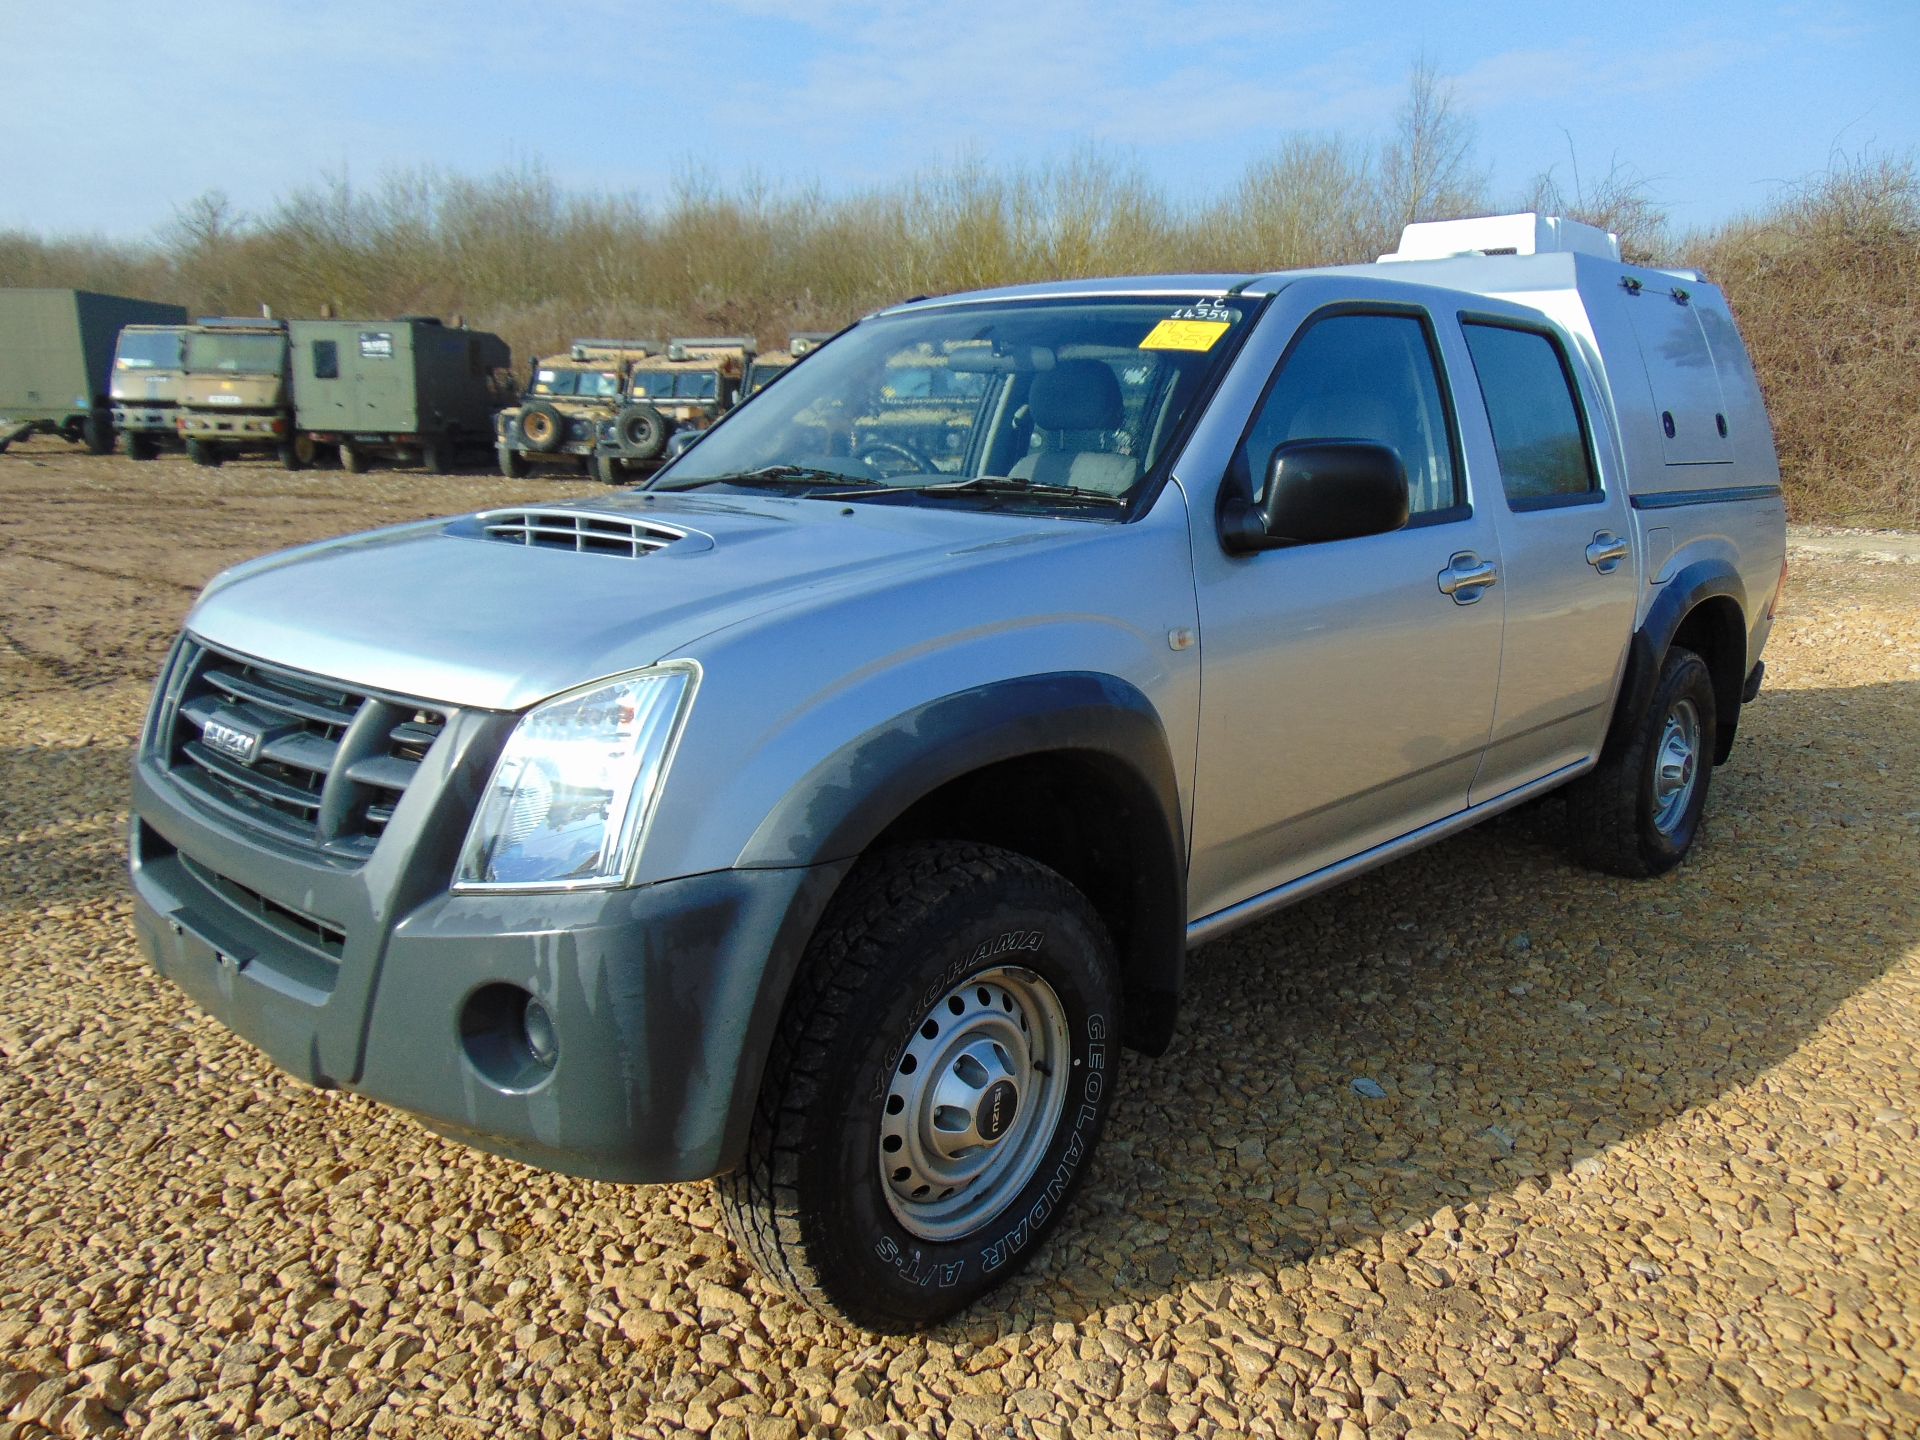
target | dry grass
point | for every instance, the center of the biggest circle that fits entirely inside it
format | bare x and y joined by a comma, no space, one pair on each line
1825,281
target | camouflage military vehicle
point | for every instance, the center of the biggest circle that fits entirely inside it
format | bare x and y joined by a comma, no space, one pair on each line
777,362
235,396
687,389
411,388
149,367
568,401
56,357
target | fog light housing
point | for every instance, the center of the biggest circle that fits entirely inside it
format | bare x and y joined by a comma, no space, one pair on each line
509,1037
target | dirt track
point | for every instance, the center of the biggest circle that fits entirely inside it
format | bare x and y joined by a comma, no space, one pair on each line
1646,1158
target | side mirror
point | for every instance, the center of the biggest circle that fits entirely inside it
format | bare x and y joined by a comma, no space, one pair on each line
1319,490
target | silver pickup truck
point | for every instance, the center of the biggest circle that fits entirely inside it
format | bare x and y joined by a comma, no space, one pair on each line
830,813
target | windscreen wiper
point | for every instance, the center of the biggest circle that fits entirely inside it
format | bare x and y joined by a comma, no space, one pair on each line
775,475
1001,485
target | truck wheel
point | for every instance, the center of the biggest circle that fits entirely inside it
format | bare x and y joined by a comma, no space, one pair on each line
606,469
298,453
135,446
433,457
643,430
96,431
201,453
1637,813
542,426
353,459
935,1089
512,465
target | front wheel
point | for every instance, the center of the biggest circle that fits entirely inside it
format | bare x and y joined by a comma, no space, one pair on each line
200,452
135,446
513,464
939,1080
1637,812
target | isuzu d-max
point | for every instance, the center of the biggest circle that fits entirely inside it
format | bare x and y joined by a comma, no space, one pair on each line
829,814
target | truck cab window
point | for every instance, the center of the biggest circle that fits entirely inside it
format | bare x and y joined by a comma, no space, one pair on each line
1361,377
1538,432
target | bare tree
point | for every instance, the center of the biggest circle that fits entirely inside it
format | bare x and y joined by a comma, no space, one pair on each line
1427,168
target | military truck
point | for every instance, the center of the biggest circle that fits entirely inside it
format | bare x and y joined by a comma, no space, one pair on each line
411,387
687,389
768,367
235,396
149,366
568,401
56,354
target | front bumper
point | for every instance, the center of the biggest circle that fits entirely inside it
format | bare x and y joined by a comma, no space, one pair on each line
234,427
662,998
145,420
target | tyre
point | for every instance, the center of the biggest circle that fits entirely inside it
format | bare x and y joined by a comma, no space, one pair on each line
1637,812
202,453
542,427
96,432
433,457
512,464
353,459
935,1089
642,431
606,469
135,446
298,453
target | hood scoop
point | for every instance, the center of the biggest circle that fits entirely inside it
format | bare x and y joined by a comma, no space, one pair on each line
582,531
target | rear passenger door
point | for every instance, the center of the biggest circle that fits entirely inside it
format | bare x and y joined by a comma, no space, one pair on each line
1347,686
1560,506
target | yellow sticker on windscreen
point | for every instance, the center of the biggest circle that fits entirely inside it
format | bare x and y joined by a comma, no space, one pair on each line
1184,335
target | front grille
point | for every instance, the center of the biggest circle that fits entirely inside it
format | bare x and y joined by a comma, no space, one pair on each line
325,765
576,530
317,934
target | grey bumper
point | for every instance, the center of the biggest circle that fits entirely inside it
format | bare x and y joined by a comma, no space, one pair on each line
662,998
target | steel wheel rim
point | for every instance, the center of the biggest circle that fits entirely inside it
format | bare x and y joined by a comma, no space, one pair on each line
972,1107
1676,766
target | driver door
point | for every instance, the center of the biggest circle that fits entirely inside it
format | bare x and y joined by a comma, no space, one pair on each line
1347,686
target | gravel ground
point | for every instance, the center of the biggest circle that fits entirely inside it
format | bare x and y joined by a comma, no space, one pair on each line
1635,1158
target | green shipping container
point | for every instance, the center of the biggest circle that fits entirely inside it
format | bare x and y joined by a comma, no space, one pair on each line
56,358
397,384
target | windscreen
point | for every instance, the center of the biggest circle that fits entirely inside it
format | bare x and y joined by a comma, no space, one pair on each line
1080,393
148,350
222,353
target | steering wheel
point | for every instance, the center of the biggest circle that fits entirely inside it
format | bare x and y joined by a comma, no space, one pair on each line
889,460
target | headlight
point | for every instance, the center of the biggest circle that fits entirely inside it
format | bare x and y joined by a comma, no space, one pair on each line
572,791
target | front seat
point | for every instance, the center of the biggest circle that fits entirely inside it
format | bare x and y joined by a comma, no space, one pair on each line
1076,408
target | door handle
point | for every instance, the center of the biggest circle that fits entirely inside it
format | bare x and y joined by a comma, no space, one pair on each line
1606,552
1466,576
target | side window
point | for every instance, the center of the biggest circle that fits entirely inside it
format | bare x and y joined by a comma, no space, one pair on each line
326,360
1362,377
1538,433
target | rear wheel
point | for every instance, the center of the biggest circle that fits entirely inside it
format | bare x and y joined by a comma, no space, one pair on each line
135,446
433,457
1637,812
353,459
937,1085
96,432
297,453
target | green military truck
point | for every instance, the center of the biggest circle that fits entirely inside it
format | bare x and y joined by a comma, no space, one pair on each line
149,368
406,388
235,396
774,363
56,356
685,390
569,400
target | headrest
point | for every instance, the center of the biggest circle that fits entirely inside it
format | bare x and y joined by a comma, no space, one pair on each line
1077,395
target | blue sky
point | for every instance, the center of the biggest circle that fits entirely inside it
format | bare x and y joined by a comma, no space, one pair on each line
112,114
